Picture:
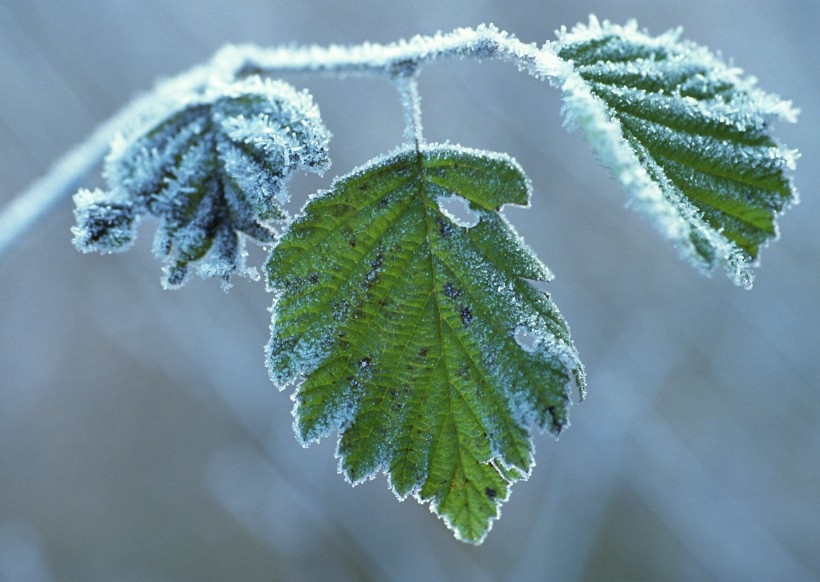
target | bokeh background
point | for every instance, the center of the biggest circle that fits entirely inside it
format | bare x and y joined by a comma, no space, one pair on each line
140,439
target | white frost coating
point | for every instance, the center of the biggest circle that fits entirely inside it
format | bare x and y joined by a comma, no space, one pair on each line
524,338
107,222
286,366
227,258
341,415
458,210
63,178
656,196
483,42
408,88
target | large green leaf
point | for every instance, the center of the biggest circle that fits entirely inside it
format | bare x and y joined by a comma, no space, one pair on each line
685,134
417,335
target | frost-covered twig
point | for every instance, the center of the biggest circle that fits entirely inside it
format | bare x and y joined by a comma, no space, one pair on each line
408,88
367,59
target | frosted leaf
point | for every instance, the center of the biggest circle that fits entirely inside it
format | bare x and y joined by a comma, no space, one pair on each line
685,134
398,325
213,168
106,221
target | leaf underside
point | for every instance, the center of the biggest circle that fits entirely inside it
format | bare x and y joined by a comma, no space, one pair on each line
214,165
419,340
686,135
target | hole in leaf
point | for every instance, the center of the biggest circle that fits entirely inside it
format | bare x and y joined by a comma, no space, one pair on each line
458,210
524,338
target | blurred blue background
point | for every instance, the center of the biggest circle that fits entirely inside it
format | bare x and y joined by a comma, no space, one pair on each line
140,439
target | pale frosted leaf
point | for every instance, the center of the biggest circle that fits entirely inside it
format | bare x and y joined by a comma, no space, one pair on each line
212,165
687,135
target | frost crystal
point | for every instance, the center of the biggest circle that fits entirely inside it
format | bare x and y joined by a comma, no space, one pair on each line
686,135
106,221
212,165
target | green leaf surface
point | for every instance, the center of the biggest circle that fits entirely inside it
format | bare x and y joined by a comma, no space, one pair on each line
417,336
686,135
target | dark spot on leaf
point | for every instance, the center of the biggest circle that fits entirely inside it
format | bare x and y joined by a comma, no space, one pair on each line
398,406
314,278
372,276
393,393
451,290
364,363
383,202
445,227
352,242
363,187
557,421
464,371
466,315
423,352
490,492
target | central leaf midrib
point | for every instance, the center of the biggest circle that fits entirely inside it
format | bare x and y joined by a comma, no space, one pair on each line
367,328
429,209
450,419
